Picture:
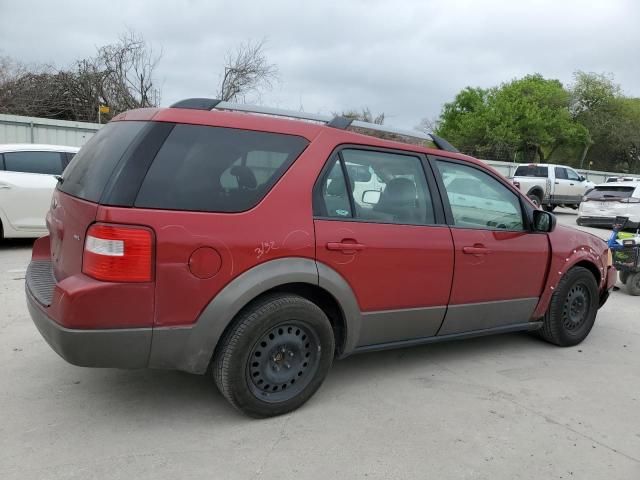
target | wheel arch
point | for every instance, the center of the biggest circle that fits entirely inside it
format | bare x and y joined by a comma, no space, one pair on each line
191,348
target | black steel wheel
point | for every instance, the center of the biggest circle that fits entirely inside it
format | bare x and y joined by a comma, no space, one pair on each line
275,356
573,308
283,362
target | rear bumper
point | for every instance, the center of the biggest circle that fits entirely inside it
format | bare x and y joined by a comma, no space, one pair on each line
118,348
590,221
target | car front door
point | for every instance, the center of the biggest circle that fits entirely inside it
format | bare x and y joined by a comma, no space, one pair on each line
563,190
390,244
500,265
27,186
577,186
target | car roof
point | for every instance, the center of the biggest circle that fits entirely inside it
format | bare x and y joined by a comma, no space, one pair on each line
36,147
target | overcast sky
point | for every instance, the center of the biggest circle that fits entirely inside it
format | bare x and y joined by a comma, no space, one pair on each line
401,57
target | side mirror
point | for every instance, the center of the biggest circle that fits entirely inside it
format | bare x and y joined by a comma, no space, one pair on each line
543,221
582,178
371,197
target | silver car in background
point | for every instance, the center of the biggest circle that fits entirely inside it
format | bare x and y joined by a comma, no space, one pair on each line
602,204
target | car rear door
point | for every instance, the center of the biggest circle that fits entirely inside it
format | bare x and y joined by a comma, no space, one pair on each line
500,265
391,245
26,188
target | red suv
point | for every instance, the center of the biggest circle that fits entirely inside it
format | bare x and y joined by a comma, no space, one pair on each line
260,248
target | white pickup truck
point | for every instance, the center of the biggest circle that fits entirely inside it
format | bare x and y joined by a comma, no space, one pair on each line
551,185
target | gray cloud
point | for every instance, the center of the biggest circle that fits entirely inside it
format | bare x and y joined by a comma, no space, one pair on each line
405,58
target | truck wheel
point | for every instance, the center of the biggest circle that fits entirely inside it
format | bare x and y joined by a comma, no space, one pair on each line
275,357
623,276
549,208
535,199
633,284
573,308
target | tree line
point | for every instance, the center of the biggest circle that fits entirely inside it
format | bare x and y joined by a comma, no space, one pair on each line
120,76
589,124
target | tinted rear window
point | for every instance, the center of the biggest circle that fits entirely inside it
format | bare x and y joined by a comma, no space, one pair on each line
531,171
610,192
89,171
216,169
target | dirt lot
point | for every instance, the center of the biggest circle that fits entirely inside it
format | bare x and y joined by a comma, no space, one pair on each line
506,407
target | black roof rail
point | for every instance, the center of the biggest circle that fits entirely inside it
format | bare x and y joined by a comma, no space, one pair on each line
335,122
197,103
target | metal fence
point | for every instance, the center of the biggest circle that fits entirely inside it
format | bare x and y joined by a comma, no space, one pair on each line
19,129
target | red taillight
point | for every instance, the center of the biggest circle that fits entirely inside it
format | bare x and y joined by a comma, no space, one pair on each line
118,253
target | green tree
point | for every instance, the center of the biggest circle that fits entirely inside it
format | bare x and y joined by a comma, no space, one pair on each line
525,119
612,119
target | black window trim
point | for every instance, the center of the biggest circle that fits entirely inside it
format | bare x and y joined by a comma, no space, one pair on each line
436,201
2,162
525,208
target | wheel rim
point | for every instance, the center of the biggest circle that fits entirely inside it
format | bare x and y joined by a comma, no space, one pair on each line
535,201
283,362
576,307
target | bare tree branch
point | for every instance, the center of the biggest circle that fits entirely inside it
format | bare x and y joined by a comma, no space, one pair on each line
246,70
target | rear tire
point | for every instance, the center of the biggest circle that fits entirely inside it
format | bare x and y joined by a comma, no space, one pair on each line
535,199
275,357
633,284
573,308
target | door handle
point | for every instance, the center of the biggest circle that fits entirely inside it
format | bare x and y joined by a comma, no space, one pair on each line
571,184
557,183
477,249
4,187
345,246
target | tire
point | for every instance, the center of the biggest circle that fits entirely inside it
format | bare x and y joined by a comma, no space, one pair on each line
275,357
548,208
633,284
535,199
573,308
623,277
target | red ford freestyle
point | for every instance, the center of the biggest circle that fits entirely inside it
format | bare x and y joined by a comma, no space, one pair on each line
222,238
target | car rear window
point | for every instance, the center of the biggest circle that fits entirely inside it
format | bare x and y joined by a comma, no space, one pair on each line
216,169
91,168
610,192
532,171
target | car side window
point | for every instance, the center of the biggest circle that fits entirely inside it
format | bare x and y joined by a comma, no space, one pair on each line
571,175
478,200
49,163
388,187
561,173
335,194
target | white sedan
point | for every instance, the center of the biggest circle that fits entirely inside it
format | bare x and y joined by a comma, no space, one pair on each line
601,205
28,176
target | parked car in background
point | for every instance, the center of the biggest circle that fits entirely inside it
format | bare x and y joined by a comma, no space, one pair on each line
550,185
258,249
27,180
606,201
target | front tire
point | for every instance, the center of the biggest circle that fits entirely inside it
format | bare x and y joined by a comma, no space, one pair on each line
573,308
549,208
275,357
